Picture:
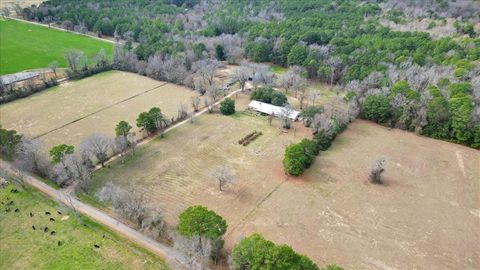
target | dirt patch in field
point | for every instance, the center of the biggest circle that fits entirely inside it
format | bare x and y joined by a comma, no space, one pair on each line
425,216
70,112
421,218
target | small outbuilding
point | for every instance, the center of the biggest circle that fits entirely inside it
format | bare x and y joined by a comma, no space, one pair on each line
272,109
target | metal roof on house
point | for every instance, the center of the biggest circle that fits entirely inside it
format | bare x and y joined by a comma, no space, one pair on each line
271,109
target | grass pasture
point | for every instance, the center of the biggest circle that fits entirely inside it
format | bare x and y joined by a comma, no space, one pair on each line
26,46
69,112
21,247
425,216
176,170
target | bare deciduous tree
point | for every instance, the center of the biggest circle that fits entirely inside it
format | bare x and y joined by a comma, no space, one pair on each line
313,95
121,146
132,204
214,91
377,169
30,157
182,111
53,67
284,116
205,70
98,146
75,60
291,79
242,75
223,177
195,103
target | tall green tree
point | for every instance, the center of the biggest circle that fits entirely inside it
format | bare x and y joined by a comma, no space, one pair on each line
157,117
254,252
377,108
8,140
199,221
122,128
145,120
297,56
220,52
227,106
58,152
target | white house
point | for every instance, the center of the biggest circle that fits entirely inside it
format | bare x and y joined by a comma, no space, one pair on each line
271,109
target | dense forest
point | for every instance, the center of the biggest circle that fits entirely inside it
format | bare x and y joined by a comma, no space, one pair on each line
407,80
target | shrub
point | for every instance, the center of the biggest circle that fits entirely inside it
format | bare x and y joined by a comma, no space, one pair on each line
299,156
323,140
227,106
310,149
309,113
377,108
58,152
268,95
199,221
255,252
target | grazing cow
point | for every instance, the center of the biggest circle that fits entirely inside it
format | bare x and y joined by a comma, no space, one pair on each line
17,210
47,213
33,227
53,232
59,243
58,212
31,214
97,246
46,229
10,203
52,219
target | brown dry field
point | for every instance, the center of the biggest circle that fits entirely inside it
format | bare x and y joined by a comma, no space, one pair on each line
425,216
71,111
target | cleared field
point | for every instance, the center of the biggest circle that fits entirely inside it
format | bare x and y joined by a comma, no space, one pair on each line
176,170
21,247
70,112
27,46
426,216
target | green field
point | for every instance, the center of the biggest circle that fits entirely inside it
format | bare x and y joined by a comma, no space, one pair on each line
21,247
27,46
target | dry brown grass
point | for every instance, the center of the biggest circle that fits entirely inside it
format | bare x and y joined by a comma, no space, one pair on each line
425,216
98,103
176,171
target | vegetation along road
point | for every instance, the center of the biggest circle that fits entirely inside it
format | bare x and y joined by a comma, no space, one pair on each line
175,259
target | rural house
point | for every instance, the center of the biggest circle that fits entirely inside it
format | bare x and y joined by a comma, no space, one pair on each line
271,109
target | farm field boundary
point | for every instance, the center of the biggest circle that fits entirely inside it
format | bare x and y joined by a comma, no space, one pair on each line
100,110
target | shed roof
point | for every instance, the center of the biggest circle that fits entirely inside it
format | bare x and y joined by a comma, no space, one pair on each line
271,109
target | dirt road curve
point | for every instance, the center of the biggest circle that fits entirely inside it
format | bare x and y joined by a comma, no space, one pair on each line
175,259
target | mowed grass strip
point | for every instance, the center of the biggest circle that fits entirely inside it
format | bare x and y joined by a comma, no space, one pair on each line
27,46
21,247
